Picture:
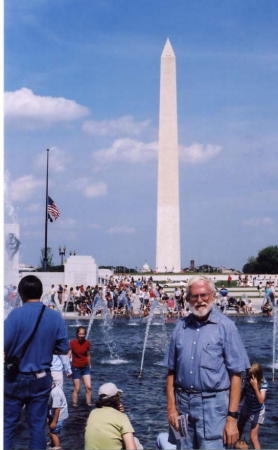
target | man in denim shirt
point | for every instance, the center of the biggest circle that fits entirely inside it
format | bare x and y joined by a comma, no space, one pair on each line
205,360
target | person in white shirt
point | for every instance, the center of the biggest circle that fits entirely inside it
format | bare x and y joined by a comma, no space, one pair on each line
60,365
57,413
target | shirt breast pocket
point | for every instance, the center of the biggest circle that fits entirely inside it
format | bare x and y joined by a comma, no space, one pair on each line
211,357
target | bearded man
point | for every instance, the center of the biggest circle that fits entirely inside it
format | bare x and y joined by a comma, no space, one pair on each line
205,361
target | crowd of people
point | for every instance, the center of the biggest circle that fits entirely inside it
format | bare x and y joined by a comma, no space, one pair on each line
258,281
125,296
204,382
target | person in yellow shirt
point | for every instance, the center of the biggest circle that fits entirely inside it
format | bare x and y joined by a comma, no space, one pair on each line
107,425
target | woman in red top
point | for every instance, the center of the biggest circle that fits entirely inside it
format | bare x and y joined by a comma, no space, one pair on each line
81,365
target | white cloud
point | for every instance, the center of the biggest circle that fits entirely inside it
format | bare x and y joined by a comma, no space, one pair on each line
123,229
198,153
133,151
25,109
124,125
90,188
23,188
58,160
95,190
258,222
128,150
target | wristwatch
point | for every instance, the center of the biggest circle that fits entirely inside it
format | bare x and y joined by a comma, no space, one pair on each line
235,415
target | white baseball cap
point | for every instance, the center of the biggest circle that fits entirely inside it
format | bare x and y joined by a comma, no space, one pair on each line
109,390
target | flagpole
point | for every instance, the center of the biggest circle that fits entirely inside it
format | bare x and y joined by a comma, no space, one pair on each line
46,216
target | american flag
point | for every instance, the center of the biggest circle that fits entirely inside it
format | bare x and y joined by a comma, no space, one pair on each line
52,210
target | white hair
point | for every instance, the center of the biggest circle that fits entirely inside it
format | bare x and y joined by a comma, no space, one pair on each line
200,279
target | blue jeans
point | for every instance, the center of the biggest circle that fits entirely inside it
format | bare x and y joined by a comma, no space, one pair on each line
207,413
32,392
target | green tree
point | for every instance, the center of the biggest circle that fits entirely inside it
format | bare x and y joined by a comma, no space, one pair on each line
251,266
266,261
206,268
123,269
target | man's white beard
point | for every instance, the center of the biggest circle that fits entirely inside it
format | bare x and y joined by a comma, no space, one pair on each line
200,313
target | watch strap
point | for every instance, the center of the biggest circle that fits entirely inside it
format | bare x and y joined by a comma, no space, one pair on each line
235,415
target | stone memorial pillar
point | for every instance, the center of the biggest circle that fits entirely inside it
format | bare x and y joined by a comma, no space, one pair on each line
80,270
12,244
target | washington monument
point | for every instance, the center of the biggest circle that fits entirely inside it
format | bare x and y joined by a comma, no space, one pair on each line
168,258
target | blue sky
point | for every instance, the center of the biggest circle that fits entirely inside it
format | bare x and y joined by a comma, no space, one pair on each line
82,78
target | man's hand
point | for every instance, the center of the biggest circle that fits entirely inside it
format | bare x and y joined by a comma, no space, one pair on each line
173,418
230,435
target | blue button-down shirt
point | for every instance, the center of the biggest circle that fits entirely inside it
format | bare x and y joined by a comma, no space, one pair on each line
204,354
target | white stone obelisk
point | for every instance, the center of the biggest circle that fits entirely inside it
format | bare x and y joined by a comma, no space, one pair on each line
168,258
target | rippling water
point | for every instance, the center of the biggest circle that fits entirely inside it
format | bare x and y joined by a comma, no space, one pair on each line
144,398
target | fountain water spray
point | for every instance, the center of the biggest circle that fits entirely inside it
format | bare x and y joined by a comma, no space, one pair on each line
46,300
154,306
100,305
107,328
